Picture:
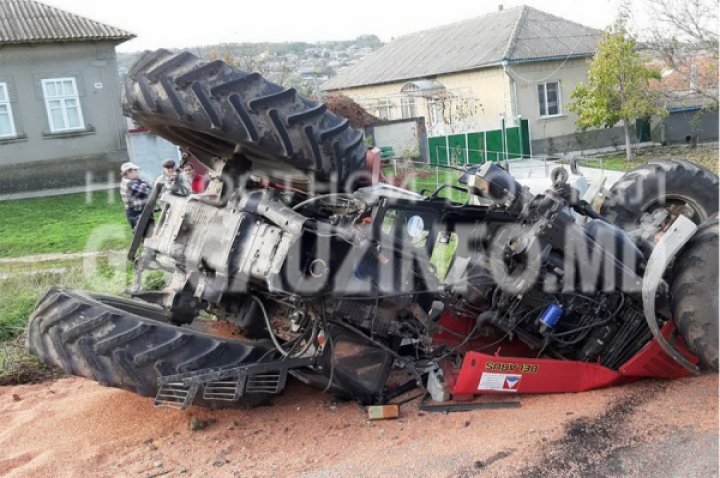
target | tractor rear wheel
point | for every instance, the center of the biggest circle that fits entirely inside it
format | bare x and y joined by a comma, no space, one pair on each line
662,184
217,110
128,344
694,293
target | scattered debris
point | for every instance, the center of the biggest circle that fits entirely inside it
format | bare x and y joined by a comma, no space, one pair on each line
480,464
160,473
196,424
383,412
465,407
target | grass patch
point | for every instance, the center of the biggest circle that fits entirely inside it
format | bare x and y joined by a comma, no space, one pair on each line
21,286
19,290
442,256
59,224
418,178
705,155
17,366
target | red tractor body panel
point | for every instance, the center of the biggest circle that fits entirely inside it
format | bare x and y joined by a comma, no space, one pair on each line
521,372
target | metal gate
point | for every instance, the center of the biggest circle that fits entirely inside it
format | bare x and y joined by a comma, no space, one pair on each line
481,146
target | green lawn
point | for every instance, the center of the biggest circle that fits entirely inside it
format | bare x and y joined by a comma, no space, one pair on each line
21,284
705,155
61,224
418,178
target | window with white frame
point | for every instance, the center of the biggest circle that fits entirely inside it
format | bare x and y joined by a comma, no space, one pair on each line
384,109
549,96
435,110
62,104
7,123
408,107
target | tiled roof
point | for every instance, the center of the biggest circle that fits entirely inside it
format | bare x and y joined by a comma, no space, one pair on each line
28,21
517,34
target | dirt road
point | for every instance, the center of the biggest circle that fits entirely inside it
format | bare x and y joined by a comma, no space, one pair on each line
75,427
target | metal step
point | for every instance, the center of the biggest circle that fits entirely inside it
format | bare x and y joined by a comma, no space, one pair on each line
175,395
227,390
266,383
178,391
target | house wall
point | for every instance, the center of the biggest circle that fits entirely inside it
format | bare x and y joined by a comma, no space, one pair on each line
510,92
100,145
558,134
486,91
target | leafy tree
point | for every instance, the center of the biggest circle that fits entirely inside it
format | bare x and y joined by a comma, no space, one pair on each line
617,89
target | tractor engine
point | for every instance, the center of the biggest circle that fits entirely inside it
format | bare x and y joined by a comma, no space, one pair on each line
568,290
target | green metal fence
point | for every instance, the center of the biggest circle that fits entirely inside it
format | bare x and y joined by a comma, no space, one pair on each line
481,146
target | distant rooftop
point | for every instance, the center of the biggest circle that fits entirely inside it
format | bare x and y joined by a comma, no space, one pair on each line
29,21
514,35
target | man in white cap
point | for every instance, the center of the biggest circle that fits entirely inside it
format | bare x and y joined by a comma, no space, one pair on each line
134,192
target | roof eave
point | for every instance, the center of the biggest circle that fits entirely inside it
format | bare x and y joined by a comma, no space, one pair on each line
117,40
423,77
515,61
511,61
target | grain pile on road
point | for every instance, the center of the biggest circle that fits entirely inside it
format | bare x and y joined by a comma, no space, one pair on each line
76,427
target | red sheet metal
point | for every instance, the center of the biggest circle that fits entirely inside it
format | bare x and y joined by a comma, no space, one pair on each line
482,373
652,361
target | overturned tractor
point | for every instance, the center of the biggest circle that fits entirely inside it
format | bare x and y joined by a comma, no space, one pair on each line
332,280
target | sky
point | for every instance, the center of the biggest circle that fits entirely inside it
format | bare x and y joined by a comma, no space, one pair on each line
177,24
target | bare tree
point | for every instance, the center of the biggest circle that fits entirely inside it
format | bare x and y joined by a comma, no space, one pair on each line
455,112
684,34
257,57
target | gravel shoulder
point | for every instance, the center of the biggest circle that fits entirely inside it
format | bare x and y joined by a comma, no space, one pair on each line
73,427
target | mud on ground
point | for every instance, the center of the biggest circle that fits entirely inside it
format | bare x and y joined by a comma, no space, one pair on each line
73,427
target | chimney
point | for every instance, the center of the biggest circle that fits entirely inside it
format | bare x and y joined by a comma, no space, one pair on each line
500,8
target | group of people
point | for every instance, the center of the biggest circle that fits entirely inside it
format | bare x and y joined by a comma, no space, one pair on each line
135,192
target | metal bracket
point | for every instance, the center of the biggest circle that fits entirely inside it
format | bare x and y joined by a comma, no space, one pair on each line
179,391
465,407
669,244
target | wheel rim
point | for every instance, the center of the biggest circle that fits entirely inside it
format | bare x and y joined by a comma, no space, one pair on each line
699,214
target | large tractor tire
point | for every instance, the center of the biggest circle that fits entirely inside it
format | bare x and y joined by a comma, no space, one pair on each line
127,344
694,293
661,184
217,110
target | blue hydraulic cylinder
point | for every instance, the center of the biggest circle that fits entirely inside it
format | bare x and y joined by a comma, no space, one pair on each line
551,315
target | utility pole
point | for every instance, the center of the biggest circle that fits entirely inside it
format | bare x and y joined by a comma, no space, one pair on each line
317,86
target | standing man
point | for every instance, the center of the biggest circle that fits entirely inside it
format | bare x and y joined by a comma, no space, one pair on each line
173,181
198,181
134,192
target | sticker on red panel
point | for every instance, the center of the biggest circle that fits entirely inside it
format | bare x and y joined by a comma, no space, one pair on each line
499,382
